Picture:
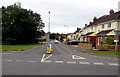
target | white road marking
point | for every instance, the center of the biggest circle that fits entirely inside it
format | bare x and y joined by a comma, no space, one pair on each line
42,45
19,60
58,61
114,64
46,61
48,57
8,60
98,63
71,62
84,62
43,58
77,57
31,61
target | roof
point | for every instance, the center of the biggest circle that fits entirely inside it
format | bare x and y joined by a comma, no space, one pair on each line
103,33
106,18
88,34
78,29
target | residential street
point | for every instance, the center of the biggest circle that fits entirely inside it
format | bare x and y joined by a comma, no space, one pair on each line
63,61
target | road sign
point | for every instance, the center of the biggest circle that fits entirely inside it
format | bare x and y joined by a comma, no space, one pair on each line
116,39
49,48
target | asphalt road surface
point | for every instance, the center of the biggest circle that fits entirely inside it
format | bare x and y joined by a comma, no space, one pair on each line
64,60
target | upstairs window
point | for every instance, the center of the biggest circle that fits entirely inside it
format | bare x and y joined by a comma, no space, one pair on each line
109,25
103,26
92,28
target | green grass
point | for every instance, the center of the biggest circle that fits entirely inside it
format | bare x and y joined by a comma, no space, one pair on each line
106,52
18,47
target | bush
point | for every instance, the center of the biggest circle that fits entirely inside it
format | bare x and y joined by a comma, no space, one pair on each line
39,40
109,40
11,41
102,42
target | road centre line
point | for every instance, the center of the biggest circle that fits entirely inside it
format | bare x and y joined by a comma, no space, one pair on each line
98,63
46,61
84,62
8,60
71,62
58,61
31,61
19,60
115,64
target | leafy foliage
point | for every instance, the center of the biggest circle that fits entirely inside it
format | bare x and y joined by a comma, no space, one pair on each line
109,40
20,24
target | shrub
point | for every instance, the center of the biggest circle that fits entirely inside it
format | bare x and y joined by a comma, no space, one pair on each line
102,42
39,40
109,40
11,41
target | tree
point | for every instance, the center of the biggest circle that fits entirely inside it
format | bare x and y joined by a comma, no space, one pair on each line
21,24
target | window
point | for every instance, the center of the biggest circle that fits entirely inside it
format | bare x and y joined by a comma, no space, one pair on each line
92,28
109,25
103,26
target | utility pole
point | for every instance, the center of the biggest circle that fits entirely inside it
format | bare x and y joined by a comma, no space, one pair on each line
49,27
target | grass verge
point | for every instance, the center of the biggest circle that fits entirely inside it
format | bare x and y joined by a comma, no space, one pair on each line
106,52
18,47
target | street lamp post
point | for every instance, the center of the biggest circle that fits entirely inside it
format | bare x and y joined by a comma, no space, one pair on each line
49,27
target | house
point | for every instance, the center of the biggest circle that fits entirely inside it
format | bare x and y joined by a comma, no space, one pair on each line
75,35
102,27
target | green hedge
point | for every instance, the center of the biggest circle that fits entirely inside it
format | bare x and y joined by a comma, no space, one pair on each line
40,40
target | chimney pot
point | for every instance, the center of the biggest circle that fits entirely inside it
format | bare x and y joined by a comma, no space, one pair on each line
94,19
90,23
111,12
85,24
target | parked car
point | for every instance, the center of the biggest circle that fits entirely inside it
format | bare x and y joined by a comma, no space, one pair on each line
73,42
56,41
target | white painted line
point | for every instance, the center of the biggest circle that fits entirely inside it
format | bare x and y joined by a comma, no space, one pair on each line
58,61
31,61
84,62
98,63
43,58
71,62
77,57
46,61
19,60
48,57
8,60
114,64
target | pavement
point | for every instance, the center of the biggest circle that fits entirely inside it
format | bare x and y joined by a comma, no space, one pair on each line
64,60
89,52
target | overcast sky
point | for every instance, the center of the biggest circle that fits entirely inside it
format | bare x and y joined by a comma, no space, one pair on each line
72,13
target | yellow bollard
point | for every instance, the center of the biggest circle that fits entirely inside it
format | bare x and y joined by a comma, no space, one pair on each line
49,48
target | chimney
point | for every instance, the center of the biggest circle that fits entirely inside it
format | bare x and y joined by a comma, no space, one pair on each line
85,24
94,19
90,23
111,12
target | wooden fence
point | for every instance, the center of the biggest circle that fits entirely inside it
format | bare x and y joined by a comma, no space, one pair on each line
85,46
108,47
